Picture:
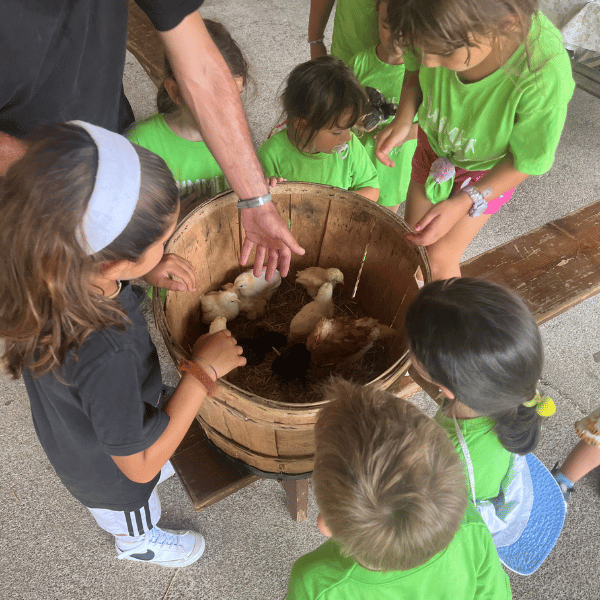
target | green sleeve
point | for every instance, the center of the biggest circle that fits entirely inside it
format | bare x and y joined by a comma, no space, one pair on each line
132,135
266,160
540,117
492,581
297,589
364,173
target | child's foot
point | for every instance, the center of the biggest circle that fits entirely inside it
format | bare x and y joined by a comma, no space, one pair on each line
567,487
165,547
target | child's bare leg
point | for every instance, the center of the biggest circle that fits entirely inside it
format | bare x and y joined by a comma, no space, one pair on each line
393,209
582,459
445,254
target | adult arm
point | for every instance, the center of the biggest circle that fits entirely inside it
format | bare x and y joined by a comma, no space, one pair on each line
320,10
211,94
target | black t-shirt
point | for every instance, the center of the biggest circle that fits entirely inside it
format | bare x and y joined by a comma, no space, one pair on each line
107,404
64,59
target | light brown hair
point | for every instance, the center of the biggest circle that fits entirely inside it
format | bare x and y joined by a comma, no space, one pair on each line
47,304
230,51
389,484
446,25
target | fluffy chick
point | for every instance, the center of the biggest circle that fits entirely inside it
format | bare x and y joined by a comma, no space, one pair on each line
313,278
251,307
292,364
247,285
219,304
309,315
344,340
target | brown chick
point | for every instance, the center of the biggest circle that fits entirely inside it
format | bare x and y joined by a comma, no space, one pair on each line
345,340
312,278
309,315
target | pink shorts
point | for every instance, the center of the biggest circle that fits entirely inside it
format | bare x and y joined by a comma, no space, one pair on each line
421,165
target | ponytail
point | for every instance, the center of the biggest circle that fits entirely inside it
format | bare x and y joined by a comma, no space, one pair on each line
519,430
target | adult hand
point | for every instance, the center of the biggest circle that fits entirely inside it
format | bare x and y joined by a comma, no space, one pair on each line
440,219
220,351
266,230
390,137
172,265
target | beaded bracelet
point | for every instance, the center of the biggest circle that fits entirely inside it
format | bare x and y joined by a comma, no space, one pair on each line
199,373
319,41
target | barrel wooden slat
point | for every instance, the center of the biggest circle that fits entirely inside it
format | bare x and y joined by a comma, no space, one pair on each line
348,229
335,227
309,220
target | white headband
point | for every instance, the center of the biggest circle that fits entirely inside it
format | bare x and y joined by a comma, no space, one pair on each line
116,189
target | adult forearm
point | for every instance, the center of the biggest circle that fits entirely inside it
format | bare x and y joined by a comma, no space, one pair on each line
211,94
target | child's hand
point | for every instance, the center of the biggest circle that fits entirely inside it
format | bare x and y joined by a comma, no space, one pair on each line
172,265
392,136
440,219
273,181
220,351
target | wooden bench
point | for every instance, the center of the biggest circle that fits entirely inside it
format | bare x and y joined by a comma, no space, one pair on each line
552,268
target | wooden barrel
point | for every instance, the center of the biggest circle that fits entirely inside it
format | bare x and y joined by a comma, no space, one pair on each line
337,228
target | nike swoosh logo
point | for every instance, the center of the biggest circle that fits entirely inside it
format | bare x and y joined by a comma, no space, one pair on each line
148,555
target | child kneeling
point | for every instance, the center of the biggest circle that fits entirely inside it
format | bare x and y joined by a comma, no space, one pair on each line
392,496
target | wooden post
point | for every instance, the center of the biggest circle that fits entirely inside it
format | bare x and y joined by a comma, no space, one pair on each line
296,491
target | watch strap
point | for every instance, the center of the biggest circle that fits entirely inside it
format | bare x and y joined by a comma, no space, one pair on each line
194,369
254,202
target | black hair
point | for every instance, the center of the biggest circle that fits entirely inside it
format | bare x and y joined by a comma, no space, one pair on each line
319,92
481,342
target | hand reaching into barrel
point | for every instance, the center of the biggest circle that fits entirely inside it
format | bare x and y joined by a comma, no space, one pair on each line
218,353
274,242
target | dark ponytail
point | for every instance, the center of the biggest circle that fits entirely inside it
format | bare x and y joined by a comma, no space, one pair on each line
481,342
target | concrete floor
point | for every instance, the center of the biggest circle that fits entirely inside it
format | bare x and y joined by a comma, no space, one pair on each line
52,548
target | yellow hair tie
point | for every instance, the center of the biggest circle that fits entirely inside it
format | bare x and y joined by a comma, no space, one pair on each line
544,405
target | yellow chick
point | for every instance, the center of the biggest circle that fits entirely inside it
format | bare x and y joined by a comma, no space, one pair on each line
308,316
217,325
345,340
219,304
313,278
252,307
249,286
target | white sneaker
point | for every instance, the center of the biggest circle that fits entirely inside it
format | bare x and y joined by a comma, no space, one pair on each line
166,547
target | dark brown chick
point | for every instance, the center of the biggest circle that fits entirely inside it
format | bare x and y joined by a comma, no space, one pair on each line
343,341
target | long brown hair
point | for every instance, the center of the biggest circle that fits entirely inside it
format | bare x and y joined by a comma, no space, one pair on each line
231,52
47,304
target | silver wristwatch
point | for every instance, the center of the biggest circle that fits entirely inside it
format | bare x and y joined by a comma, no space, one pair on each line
254,202
479,201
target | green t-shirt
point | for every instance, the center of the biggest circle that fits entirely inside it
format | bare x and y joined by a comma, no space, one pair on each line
491,460
355,28
193,166
280,158
469,568
516,108
372,72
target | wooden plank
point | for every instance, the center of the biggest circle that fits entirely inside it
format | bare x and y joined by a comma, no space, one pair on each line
145,44
205,472
296,492
552,268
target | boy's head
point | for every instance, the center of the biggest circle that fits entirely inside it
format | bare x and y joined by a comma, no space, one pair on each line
389,484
